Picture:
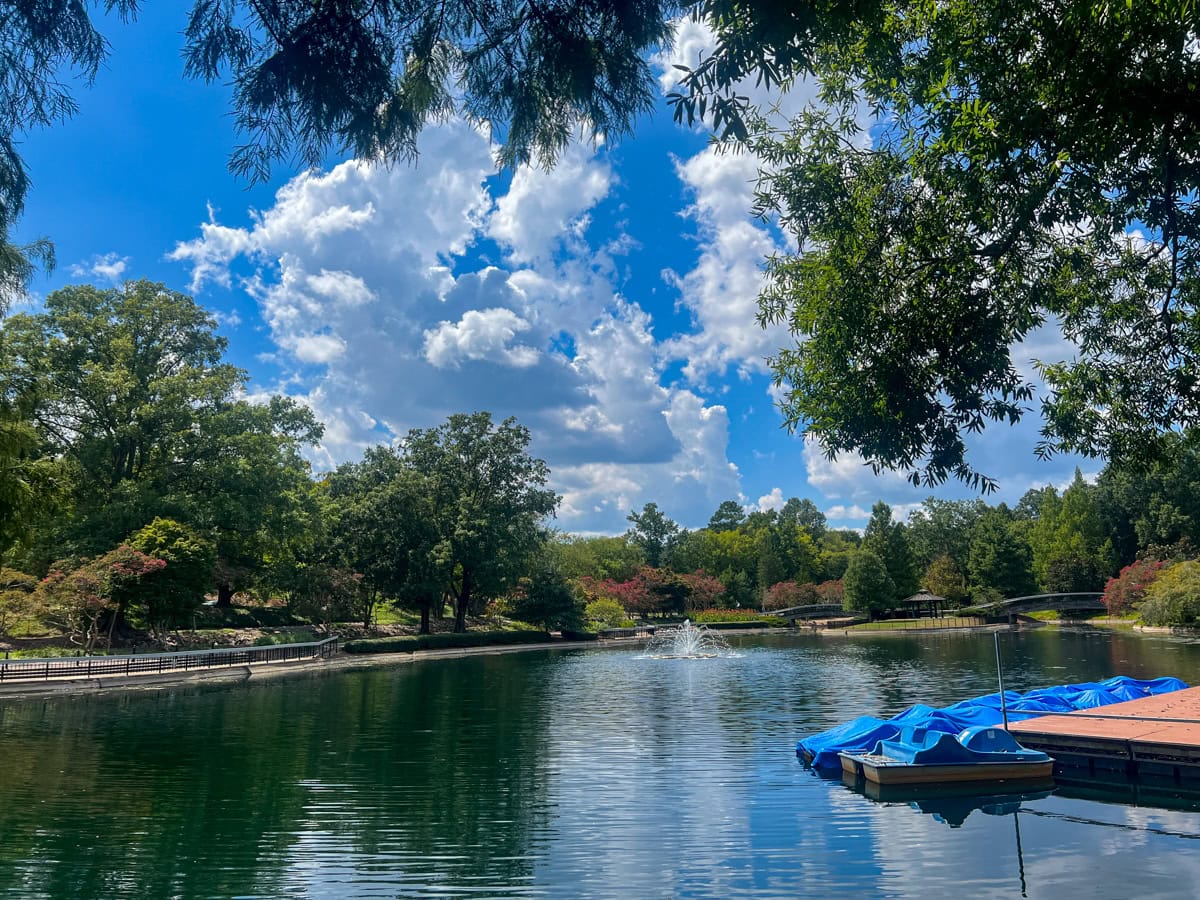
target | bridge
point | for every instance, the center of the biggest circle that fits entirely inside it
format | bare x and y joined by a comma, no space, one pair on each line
818,611
1083,601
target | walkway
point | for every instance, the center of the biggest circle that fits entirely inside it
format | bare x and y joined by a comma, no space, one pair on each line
1154,735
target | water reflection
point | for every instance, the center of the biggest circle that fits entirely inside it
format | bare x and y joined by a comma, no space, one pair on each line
578,773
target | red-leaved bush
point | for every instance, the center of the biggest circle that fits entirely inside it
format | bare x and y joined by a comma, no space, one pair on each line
1126,591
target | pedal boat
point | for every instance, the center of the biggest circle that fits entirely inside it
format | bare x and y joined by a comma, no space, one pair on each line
918,756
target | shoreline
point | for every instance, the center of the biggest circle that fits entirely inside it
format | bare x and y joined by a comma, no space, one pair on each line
109,684
106,684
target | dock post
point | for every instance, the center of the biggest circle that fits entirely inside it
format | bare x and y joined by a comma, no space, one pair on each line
1000,676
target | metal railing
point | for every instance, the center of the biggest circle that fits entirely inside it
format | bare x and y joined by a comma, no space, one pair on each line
638,631
159,663
926,624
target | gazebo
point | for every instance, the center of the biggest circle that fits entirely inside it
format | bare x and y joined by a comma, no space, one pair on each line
922,601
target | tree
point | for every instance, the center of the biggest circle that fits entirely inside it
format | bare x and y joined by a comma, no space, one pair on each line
135,411
787,594
868,587
246,485
887,540
999,559
597,557
384,528
653,532
72,598
668,592
804,514
703,591
1072,573
942,528
1011,146
489,503
605,612
547,599
1070,526
79,596
836,549
943,578
173,593
1174,596
728,516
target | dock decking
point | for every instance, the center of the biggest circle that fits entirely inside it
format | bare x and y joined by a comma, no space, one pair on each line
1153,736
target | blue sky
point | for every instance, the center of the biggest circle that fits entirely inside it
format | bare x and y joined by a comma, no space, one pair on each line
608,304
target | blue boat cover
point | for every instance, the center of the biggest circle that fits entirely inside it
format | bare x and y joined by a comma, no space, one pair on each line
862,734
979,744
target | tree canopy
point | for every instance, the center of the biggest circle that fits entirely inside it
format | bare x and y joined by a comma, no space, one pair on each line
973,171
1026,165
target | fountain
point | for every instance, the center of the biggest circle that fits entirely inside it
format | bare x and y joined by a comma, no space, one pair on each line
687,641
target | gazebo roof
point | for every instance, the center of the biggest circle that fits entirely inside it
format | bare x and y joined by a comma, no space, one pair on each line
923,597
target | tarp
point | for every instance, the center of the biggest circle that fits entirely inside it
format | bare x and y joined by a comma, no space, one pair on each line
861,734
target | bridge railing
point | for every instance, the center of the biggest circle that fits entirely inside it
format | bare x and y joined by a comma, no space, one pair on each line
46,669
1083,600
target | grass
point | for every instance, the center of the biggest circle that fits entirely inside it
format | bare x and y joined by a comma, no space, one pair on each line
52,653
387,614
1053,615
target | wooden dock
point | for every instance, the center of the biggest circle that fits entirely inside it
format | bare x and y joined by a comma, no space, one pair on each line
1155,736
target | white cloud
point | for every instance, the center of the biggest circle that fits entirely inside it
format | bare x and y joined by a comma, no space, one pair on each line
379,325
318,348
842,513
721,290
479,334
773,500
109,267
543,207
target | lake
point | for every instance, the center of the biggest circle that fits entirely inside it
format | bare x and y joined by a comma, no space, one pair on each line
563,773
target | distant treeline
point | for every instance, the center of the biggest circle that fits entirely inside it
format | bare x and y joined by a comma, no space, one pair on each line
138,477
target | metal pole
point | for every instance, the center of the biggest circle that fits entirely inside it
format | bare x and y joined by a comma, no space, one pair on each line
1000,677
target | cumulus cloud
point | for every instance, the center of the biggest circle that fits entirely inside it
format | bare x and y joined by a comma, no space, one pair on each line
479,334
544,207
721,290
108,267
773,500
380,323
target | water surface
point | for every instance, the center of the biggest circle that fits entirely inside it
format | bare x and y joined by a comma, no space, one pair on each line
581,773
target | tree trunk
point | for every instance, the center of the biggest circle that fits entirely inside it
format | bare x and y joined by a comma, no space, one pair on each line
425,616
224,596
463,603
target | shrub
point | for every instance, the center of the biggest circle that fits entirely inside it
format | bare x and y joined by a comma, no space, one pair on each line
759,622
832,593
787,594
605,612
1174,596
16,598
709,616
1123,593
447,641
